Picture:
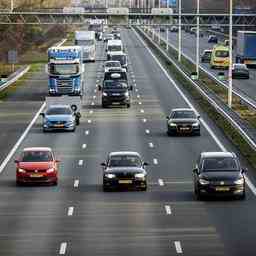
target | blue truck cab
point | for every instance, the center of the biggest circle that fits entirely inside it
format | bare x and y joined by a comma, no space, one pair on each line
66,71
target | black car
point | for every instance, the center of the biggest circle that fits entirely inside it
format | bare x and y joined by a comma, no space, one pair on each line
115,89
213,39
124,170
240,71
219,174
183,121
206,56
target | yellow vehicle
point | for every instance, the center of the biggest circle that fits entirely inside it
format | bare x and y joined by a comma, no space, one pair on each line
220,57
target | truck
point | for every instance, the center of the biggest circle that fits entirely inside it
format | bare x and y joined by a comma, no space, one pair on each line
65,69
246,50
86,40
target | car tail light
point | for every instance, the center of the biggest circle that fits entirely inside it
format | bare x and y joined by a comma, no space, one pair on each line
21,170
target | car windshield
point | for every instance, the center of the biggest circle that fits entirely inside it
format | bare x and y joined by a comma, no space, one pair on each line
113,64
220,164
183,115
207,54
36,156
58,111
125,161
114,48
110,84
222,54
121,58
64,69
240,66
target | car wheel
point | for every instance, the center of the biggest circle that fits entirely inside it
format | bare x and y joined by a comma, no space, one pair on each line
169,133
104,105
197,194
198,133
105,189
243,196
18,183
143,189
55,183
128,105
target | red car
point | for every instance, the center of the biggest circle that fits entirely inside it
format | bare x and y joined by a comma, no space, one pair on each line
37,165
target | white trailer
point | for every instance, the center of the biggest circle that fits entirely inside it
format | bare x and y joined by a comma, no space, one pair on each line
86,40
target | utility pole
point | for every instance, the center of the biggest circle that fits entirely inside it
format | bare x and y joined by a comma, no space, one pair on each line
12,5
230,87
179,49
198,39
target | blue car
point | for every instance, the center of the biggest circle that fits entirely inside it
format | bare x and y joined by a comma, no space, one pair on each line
60,117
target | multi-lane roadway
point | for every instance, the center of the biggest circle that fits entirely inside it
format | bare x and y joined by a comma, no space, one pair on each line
189,49
78,218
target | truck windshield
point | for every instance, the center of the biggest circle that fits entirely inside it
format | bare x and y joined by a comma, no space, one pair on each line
84,42
222,54
114,48
64,69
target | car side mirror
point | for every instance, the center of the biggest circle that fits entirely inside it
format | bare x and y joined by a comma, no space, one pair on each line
244,170
198,117
167,117
103,164
146,164
57,161
195,170
99,87
42,114
131,88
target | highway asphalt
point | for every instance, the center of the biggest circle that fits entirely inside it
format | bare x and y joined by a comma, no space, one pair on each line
189,49
78,218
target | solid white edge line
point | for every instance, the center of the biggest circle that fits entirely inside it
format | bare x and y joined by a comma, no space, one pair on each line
168,209
178,247
160,182
70,211
76,183
22,137
63,247
210,131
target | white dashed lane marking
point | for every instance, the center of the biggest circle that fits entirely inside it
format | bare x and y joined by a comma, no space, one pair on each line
155,161
84,146
80,162
70,210
89,121
76,183
144,120
178,247
160,182
63,248
150,144
168,209
142,111
87,132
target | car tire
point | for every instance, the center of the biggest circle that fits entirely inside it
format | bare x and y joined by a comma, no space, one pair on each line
144,188
128,105
18,183
243,196
197,194
169,133
198,133
104,105
55,183
105,189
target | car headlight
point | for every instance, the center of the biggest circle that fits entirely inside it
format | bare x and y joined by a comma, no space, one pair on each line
104,94
21,170
196,124
204,182
71,122
51,170
139,175
110,175
172,124
126,94
239,181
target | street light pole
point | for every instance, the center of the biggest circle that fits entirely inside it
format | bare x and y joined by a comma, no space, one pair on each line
12,5
198,39
230,87
179,48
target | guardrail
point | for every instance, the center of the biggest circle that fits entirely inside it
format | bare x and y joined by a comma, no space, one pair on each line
215,105
248,101
17,76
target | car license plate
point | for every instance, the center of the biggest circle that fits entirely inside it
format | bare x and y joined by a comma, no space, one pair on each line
125,181
116,94
59,125
36,175
185,129
222,189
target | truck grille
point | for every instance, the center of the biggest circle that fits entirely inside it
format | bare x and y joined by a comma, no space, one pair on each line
65,86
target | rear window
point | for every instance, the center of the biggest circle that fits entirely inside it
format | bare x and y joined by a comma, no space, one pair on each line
36,156
220,164
221,54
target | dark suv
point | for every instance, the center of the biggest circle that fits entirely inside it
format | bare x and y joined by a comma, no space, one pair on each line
115,89
219,174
